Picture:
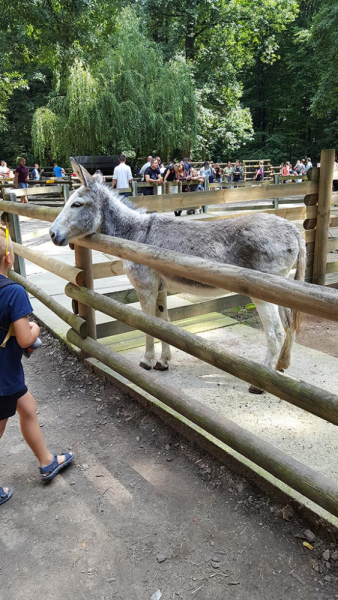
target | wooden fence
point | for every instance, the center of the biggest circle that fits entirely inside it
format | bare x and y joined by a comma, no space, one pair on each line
309,298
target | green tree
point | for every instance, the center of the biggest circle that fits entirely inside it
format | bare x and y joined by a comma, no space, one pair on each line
129,101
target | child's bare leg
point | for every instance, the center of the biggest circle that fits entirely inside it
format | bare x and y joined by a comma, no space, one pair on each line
31,431
3,424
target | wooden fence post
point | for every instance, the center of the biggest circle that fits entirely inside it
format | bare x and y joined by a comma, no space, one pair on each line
15,233
65,192
323,216
134,187
206,189
83,260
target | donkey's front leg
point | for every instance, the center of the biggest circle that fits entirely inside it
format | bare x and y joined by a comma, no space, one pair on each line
147,300
162,312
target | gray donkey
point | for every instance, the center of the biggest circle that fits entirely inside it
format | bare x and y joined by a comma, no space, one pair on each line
260,241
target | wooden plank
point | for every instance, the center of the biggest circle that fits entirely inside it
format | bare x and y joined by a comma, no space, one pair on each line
34,212
309,236
179,313
108,269
304,395
59,268
170,202
332,244
311,199
291,214
332,267
323,216
292,294
331,247
15,233
135,338
38,191
333,222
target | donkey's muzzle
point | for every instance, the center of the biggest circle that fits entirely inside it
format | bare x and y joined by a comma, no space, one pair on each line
57,238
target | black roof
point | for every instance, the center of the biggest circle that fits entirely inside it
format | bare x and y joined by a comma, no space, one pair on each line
106,164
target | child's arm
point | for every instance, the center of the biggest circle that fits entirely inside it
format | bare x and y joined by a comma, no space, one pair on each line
26,332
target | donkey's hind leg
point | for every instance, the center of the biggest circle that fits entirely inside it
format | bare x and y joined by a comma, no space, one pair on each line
147,300
162,312
284,358
275,334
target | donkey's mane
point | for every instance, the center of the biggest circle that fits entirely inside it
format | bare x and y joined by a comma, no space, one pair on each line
116,197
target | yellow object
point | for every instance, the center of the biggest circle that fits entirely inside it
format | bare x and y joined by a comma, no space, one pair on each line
307,545
50,181
5,228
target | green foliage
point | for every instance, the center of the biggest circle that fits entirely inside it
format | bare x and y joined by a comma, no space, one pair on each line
217,78
9,82
325,45
128,100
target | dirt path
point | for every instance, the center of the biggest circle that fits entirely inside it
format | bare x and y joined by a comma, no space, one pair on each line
141,510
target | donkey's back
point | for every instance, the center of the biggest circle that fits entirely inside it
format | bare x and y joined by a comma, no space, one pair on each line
261,241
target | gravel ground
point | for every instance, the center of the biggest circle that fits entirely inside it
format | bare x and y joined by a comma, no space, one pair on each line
142,514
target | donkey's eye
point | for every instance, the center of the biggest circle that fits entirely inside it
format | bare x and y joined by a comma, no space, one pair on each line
77,204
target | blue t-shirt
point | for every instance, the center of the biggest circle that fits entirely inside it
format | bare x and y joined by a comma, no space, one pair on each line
14,305
57,171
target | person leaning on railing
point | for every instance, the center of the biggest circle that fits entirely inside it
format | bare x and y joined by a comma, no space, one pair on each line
22,178
152,175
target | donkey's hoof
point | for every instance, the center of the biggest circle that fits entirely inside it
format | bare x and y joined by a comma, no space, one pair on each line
160,367
145,366
255,390
281,370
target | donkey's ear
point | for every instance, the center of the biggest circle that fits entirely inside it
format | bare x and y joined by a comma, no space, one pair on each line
82,173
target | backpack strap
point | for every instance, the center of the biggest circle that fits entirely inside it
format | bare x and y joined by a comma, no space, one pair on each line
5,283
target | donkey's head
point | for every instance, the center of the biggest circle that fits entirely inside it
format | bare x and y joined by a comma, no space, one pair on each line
82,214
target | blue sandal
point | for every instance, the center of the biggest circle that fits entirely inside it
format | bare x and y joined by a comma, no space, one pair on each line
49,471
4,496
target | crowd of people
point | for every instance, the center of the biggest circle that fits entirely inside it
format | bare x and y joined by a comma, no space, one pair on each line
301,167
21,175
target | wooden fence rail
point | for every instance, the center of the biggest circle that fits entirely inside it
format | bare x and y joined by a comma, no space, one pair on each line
311,398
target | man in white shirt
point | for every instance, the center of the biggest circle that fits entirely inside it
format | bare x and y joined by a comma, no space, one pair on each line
146,165
4,170
122,177
308,165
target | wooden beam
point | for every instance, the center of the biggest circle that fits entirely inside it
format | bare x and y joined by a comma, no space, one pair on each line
108,269
170,202
331,267
83,260
177,313
31,191
323,216
32,211
59,268
318,488
278,290
308,397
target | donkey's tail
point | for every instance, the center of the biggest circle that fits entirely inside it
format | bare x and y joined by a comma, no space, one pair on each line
300,276
292,318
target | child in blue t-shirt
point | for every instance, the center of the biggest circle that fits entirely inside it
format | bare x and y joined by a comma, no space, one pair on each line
17,332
